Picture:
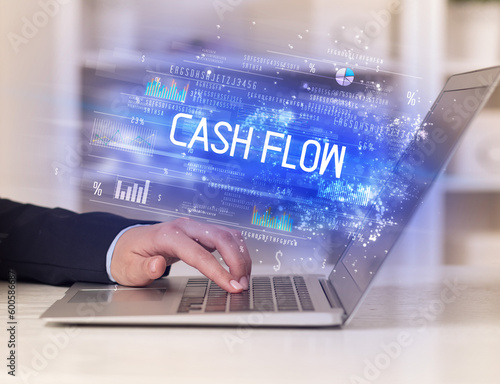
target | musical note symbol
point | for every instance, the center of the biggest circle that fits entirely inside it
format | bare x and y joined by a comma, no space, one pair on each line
278,266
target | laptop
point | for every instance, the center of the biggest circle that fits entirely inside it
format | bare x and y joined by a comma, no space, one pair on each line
346,268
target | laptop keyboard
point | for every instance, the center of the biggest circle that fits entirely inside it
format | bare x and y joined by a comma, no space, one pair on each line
265,294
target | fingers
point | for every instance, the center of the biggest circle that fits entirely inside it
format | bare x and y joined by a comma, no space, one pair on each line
190,241
227,242
194,254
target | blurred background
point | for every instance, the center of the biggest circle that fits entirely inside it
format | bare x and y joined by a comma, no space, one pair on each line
46,45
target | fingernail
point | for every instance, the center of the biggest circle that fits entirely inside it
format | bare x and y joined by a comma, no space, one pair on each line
153,266
244,282
235,284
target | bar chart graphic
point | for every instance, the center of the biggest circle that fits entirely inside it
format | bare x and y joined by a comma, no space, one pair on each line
345,192
124,137
172,92
132,191
267,220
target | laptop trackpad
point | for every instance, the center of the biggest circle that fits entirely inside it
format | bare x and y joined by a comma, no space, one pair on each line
112,296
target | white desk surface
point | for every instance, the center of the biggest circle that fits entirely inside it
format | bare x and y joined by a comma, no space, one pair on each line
411,329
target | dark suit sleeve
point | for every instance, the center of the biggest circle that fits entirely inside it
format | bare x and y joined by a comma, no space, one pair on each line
56,246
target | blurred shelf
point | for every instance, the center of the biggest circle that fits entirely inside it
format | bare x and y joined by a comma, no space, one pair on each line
470,184
458,65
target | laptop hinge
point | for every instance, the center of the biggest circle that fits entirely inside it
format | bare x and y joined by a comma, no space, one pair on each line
332,297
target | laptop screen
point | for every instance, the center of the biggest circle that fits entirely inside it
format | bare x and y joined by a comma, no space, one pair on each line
291,150
412,176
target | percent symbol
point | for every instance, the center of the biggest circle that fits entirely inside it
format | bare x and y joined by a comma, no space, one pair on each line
411,98
97,188
312,68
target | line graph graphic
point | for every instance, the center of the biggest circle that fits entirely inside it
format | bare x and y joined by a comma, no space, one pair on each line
345,192
172,92
124,137
266,220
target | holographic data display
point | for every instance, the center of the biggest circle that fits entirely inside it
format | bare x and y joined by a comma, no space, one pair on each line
290,150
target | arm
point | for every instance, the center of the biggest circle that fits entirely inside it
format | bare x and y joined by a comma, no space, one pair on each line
56,246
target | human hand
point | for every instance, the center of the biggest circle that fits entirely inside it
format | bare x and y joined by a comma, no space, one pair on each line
142,253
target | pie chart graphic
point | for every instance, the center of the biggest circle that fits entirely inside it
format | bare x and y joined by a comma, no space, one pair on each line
345,76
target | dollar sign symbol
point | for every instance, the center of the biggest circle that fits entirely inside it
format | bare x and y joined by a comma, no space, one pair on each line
278,267
159,197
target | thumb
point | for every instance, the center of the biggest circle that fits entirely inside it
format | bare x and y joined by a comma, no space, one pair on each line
142,270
